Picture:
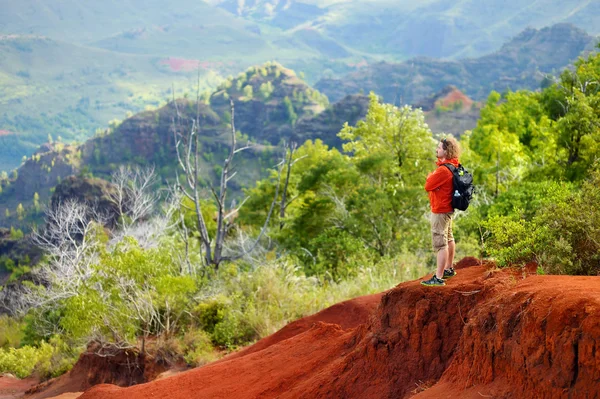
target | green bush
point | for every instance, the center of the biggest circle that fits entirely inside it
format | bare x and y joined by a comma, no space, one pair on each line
209,314
197,348
19,362
562,236
47,359
11,332
252,304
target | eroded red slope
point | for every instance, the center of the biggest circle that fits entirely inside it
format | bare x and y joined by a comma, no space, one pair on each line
487,333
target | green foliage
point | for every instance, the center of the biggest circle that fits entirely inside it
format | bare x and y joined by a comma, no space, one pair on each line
20,211
197,348
291,115
248,92
16,269
19,362
395,140
348,210
11,332
16,234
265,90
562,235
549,135
251,302
49,359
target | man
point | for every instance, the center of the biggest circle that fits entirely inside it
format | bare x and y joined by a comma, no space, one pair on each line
440,188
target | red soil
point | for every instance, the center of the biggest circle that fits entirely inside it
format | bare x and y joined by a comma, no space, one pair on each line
5,133
348,314
12,387
488,333
123,369
184,65
454,97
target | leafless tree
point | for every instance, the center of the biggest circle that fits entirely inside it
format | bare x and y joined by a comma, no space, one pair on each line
187,147
133,195
71,243
69,240
290,161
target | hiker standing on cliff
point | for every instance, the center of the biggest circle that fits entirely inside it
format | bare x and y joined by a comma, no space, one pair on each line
439,185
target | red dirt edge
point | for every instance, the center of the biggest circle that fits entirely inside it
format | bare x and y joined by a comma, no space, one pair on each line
487,333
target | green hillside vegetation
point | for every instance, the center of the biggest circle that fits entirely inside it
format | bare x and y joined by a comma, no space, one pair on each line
55,89
323,39
85,23
272,105
520,63
353,222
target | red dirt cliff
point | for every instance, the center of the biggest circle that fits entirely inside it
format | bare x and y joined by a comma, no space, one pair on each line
488,333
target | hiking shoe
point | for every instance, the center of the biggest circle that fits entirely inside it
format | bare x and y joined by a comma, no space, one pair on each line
433,282
449,273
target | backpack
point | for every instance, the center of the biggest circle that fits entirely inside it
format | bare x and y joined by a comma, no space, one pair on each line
462,181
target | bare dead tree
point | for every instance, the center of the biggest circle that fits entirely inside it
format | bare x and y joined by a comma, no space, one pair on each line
187,148
290,161
72,246
133,195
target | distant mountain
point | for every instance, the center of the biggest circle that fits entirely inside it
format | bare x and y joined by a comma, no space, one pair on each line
366,28
433,28
519,64
122,56
271,104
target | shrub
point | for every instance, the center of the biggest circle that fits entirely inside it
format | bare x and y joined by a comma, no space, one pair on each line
563,235
48,359
11,332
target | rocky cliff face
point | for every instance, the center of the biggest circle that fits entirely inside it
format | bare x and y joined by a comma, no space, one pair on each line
45,168
327,124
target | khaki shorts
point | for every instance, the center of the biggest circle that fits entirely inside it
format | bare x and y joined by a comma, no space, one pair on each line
441,230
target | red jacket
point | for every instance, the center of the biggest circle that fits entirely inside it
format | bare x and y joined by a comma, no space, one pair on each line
439,186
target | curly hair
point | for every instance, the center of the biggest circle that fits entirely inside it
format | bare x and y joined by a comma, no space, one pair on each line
451,146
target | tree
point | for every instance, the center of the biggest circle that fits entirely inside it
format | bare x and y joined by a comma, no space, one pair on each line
20,211
187,147
248,91
70,238
265,90
291,115
36,202
499,140
133,195
391,144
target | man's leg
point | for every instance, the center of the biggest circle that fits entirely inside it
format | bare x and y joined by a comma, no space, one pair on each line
442,258
450,257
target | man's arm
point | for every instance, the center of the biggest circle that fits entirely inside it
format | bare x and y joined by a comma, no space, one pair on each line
437,178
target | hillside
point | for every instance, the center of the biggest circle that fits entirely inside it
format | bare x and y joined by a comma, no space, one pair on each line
122,57
433,28
271,105
450,111
48,87
398,29
538,332
519,64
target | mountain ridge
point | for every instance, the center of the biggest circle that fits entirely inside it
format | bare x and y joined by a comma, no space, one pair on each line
520,64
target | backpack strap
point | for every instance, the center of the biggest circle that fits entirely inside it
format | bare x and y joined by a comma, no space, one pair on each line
451,167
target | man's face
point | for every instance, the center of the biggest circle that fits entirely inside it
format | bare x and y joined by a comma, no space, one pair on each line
440,152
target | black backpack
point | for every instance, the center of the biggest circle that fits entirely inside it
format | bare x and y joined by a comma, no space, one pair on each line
463,187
